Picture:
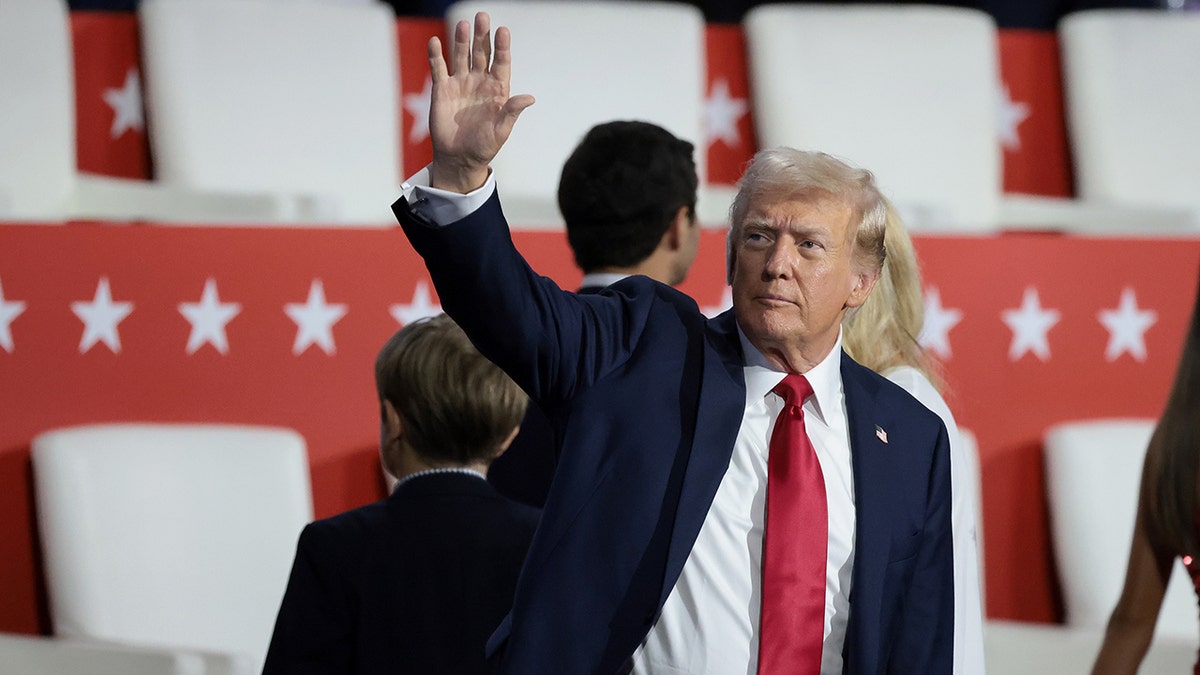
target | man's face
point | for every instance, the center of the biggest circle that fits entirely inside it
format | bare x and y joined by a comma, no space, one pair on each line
794,277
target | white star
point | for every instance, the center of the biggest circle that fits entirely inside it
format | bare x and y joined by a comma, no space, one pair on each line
1009,117
9,310
417,105
314,320
1127,327
935,334
208,318
1029,325
100,318
126,103
422,305
726,302
721,115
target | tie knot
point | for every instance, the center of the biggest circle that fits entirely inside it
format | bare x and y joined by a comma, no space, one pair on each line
794,389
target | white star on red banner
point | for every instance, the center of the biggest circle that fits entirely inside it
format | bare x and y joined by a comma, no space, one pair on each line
712,311
126,103
1009,116
417,105
100,318
1030,325
9,310
422,305
935,333
208,318
314,320
722,113
1127,326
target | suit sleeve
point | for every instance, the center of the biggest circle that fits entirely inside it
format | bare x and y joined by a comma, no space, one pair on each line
313,631
925,642
549,341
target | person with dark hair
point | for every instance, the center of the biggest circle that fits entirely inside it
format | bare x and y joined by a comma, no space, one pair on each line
628,196
1168,520
735,494
417,582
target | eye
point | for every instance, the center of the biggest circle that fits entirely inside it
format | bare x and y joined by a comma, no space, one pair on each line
756,238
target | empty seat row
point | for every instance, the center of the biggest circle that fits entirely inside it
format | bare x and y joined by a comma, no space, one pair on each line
292,108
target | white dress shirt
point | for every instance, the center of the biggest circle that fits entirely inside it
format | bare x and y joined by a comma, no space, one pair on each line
709,624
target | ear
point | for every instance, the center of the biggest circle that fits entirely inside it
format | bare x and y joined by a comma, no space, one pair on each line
507,442
676,236
863,283
393,425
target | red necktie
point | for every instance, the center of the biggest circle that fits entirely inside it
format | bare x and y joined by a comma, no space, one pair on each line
792,624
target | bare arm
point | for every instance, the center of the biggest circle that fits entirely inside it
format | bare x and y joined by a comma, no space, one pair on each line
1131,626
471,114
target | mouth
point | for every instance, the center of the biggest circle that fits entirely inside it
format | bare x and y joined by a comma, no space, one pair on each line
772,300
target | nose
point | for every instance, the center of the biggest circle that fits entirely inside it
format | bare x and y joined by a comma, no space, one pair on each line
780,261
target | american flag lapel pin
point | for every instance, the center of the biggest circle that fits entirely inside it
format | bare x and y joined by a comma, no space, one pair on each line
880,433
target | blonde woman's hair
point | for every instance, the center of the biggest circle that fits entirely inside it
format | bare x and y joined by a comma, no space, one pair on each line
883,333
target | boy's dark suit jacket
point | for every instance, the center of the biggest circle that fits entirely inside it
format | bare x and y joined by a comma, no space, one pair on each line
414,583
650,396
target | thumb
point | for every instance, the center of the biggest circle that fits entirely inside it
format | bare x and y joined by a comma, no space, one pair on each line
512,109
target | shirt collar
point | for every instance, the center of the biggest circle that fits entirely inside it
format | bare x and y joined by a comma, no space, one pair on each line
429,472
601,279
825,377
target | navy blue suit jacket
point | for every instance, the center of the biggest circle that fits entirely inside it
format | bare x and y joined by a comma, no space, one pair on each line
414,583
524,472
649,394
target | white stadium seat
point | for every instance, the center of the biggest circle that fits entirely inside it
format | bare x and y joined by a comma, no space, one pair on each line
1093,471
178,536
294,99
1132,91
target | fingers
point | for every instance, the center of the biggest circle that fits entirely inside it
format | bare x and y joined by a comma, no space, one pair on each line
502,63
462,47
481,49
437,64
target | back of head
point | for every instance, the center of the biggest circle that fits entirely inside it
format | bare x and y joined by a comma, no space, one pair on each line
457,407
620,189
813,177
882,333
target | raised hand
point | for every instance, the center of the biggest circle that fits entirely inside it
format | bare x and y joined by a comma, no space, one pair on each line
471,114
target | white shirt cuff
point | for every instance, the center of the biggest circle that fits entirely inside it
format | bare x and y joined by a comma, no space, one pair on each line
443,206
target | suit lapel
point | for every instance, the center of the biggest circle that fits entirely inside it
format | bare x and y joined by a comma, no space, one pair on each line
719,409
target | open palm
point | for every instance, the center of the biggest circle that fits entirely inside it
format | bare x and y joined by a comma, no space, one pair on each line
471,114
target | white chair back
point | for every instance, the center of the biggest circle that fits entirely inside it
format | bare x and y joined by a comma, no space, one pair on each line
295,98
909,92
1133,100
37,133
1093,474
170,535
589,62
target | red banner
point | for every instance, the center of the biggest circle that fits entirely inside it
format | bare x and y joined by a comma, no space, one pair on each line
281,326
109,115
1033,132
